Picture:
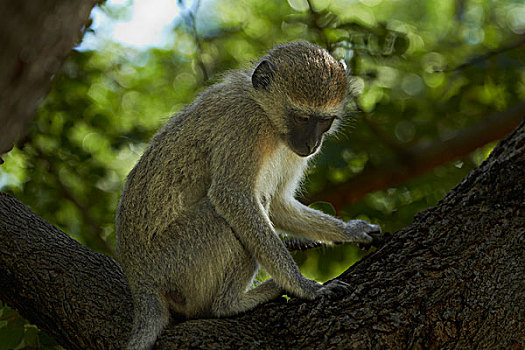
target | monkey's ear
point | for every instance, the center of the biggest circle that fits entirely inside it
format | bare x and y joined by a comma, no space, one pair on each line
343,65
262,75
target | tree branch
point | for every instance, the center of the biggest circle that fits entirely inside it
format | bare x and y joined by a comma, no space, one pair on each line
480,58
454,278
421,158
45,34
76,295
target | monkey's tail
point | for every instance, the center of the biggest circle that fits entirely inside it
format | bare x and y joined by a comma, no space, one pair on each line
151,316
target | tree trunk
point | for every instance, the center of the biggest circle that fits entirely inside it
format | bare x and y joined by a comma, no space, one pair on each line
35,37
452,279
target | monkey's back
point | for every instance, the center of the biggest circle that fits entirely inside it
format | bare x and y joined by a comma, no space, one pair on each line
174,173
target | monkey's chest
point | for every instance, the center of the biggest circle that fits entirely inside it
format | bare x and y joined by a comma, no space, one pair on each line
279,174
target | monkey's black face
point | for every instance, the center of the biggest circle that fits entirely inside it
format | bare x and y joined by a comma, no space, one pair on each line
305,132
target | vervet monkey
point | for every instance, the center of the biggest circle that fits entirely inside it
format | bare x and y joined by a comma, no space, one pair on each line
199,211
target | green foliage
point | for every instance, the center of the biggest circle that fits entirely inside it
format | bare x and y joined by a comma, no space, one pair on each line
105,106
16,333
324,207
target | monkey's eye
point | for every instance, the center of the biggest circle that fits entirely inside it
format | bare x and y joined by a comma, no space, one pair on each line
326,121
300,118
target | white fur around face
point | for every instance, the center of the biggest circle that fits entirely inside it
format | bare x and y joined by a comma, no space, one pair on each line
280,174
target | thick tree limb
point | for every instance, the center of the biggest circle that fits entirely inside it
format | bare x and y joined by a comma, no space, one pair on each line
453,279
422,158
35,37
78,296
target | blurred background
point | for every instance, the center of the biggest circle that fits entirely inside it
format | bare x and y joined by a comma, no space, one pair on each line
436,80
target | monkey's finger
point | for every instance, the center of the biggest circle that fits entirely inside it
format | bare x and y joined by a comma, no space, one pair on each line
335,288
379,239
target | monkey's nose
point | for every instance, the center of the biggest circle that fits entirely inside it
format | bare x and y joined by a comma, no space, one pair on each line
312,146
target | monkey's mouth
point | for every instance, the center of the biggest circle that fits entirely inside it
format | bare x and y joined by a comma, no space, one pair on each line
302,149
304,153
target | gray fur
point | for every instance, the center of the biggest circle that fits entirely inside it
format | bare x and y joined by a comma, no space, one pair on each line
199,211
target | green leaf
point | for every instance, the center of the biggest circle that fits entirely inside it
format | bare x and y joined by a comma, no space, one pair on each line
12,333
30,338
401,45
325,207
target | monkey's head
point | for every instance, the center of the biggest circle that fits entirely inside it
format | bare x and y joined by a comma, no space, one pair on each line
303,90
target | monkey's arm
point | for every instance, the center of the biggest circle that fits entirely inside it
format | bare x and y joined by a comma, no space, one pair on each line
289,215
253,229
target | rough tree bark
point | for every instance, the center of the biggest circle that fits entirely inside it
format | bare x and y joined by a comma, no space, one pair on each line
452,279
35,37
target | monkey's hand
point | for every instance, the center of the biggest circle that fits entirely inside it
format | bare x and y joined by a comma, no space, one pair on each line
312,290
358,231
334,288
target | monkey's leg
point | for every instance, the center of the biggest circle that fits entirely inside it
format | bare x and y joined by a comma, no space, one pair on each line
218,284
234,298
151,316
207,270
